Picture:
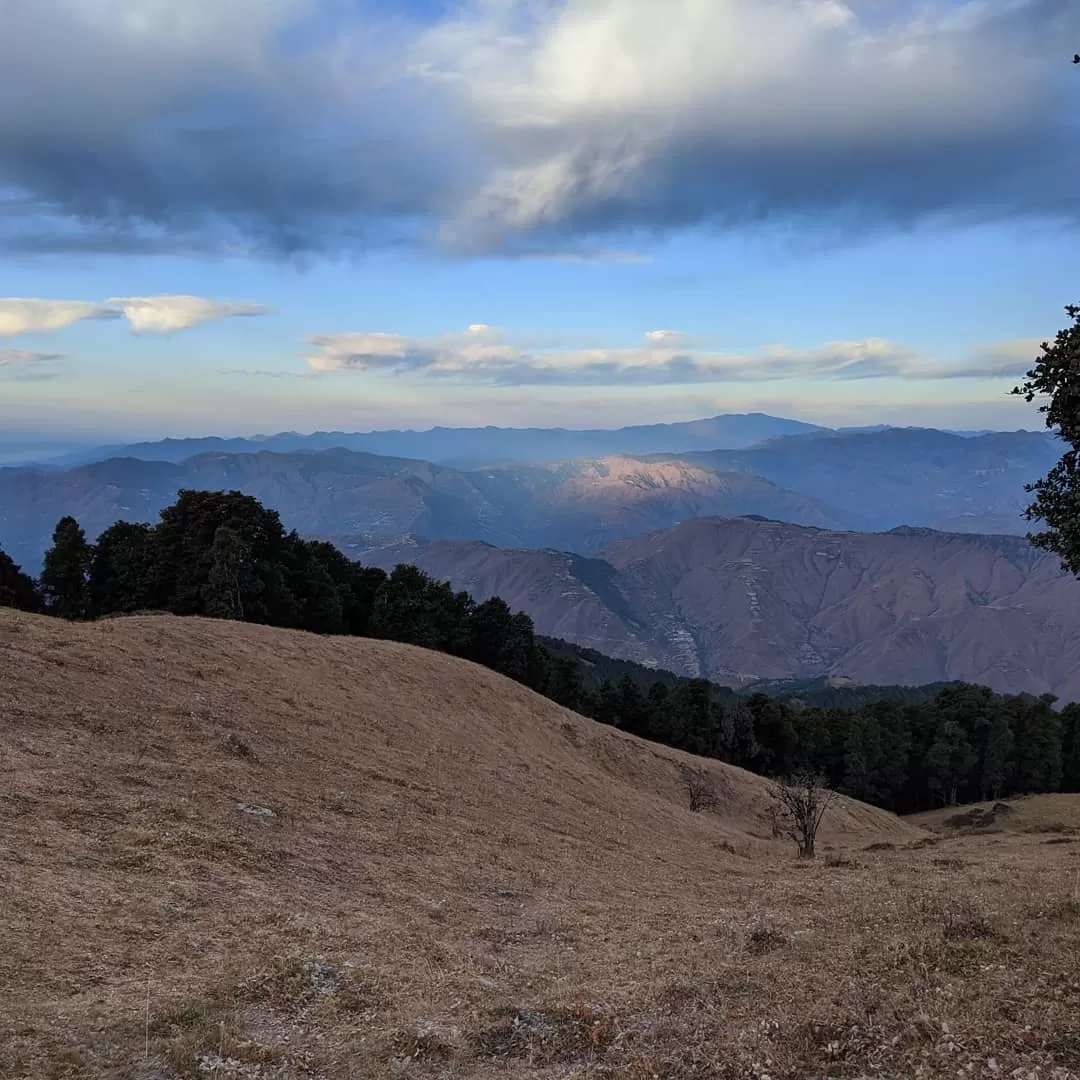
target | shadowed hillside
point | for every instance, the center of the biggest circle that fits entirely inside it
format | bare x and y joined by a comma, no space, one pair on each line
740,600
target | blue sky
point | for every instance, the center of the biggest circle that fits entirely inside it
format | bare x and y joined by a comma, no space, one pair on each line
301,214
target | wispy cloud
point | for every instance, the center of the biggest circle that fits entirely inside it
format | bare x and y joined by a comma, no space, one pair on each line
21,365
22,358
145,314
539,127
484,354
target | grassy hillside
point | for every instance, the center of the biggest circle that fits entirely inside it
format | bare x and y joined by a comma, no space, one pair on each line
234,851
1040,815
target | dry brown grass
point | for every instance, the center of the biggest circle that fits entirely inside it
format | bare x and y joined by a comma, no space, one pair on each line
1044,815
459,879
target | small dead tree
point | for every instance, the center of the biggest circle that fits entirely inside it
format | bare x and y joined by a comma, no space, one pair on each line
700,792
798,806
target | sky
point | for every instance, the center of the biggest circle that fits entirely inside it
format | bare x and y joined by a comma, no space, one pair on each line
242,216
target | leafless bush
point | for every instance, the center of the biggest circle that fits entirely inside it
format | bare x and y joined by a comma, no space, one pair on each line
967,925
840,861
238,748
700,792
763,935
799,804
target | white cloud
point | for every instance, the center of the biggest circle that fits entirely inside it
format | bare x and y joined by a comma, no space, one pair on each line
168,314
666,337
26,316
484,355
145,314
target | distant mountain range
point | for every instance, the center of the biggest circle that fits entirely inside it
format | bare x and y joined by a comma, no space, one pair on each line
468,447
856,480
739,600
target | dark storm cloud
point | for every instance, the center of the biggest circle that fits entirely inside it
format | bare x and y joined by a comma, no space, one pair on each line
207,127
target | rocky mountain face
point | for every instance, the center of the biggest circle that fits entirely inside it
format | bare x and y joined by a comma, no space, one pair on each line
746,599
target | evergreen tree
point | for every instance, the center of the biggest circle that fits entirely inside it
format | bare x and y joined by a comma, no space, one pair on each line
356,586
1056,375
774,733
603,703
633,707
564,682
744,750
862,757
658,703
1038,733
17,590
122,571
413,608
948,763
502,640
64,577
254,551
1070,721
231,579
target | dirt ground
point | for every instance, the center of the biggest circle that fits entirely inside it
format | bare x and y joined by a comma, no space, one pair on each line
230,851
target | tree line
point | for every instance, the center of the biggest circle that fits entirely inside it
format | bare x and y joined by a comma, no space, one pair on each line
224,555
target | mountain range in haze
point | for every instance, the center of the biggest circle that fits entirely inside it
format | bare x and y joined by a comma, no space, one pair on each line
461,447
466,447
743,599
859,480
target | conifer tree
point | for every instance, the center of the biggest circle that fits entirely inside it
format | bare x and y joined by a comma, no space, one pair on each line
64,577
17,590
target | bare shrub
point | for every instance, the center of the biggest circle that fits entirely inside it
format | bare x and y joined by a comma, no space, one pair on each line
701,794
238,748
840,861
763,935
967,925
799,804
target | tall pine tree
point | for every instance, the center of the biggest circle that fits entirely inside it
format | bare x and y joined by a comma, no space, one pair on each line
65,575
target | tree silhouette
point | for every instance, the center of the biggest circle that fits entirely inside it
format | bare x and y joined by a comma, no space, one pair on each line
1056,375
17,590
798,807
64,577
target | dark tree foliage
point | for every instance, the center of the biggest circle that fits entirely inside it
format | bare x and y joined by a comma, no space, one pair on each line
1056,376
221,553
65,572
122,570
17,590
224,555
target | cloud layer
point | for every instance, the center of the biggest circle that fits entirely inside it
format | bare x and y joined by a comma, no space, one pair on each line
483,355
145,314
533,126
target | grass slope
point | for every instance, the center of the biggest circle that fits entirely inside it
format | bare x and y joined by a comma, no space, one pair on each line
233,851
